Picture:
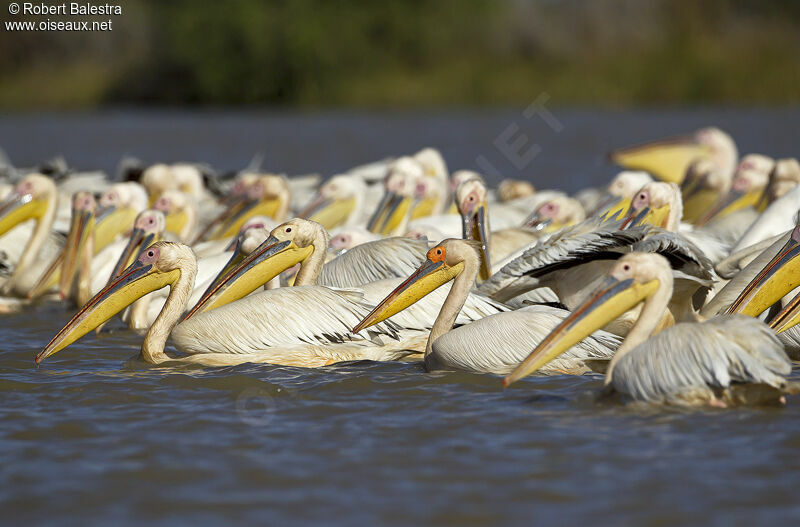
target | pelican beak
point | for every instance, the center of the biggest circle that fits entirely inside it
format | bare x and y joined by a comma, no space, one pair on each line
236,258
81,227
611,299
241,212
430,276
788,317
423,207
175,221
49,279
655,216
474,228
666,159
269,260
389,214
134,282
612,207
538,222
17,208
773,282
234,204
329,212
111,222
697,198
733,201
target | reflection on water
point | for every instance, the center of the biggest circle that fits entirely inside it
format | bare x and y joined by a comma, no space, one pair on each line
93,435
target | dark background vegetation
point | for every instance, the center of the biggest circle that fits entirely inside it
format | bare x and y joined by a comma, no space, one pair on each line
396,53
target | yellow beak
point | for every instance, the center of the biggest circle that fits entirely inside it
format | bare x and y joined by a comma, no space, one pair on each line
80,230
110,223
733,201
270,259
613,207
666,159
773,282
329,213
390,213
611,299
474,228
18,208
423,207
657,217
430,276
232,226
135,282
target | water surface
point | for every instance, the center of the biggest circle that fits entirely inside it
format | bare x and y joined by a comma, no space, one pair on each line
93,437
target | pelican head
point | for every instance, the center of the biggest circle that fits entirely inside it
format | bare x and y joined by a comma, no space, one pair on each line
148,228
705,183
658,204
511,189
117,208
431,191
337,201
784,177
81,227
288,244
773,282
400,189
472,205
747,189
31,198
668,159
184,177
158,266
633,279
555,214
620,192
460,176
443,263
180,212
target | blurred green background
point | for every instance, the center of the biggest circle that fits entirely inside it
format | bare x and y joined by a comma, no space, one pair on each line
394,53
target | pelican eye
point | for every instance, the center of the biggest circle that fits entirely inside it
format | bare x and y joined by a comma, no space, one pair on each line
626,267
288,229
150,254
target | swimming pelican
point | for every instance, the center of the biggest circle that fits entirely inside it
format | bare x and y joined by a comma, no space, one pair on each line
494,344
391,216
339,202
723,361
34,198
512,189
620,192
293,326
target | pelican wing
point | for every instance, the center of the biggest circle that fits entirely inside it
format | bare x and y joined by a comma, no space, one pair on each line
695,357
679,250
368,262
498,343
587,241
284,317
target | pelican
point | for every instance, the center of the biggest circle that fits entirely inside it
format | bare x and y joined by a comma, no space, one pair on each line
338,202
721,362
292,326
669,159
512,189
620,192
747,190
33,198
400,186
180,211
494,344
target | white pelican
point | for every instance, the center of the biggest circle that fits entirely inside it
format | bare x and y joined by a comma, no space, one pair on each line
720,362
746,193
780,215
293,326
180,211
339,202
512,189
400,186
34,198
494,344
620,192
669,159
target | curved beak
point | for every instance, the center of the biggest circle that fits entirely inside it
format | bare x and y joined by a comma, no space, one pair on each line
389,214
329,212
773,282
80,229
474,228
17,208
667,159
135,282
610,300
270,259
733,201
430,276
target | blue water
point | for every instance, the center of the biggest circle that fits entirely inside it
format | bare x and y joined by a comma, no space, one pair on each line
96,437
